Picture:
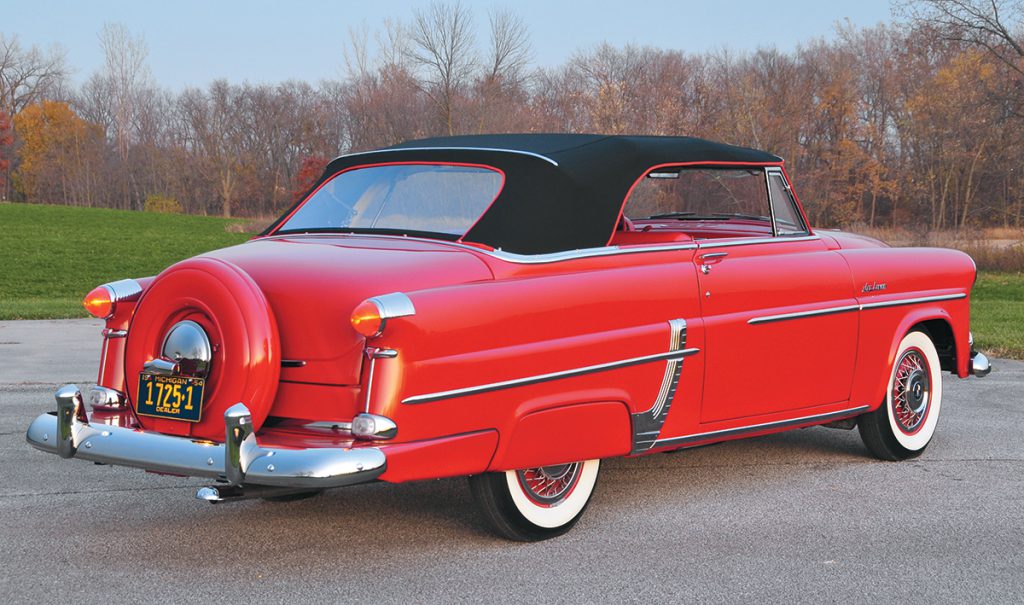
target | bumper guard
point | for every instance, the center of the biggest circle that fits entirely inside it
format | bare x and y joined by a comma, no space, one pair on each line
980,365
240,460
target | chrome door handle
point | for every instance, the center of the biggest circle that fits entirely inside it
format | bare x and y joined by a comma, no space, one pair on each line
710,256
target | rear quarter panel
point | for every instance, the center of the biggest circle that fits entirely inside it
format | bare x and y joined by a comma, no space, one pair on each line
549,320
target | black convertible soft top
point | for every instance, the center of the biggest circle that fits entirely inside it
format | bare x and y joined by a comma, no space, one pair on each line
562,191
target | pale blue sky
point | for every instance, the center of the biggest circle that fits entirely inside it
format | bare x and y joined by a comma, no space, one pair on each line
193,41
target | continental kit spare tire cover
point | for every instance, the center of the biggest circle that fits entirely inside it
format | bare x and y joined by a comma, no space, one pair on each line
234,313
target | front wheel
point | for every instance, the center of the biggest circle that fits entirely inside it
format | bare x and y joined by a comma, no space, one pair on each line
904,424
538,503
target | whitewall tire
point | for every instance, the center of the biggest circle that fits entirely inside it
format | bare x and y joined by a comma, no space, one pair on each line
903,426
537,503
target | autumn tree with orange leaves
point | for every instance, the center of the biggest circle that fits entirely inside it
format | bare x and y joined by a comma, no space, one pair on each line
58,154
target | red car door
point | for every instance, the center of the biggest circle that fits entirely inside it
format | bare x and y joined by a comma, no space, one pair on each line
780,327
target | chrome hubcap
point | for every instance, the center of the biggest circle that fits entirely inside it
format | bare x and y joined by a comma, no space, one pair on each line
549,485
911,391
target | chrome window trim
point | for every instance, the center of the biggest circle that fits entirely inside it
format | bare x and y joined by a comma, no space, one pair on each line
537,378
771,207
821,418
911,301
512,257
758,240
775,170
554,257
497,149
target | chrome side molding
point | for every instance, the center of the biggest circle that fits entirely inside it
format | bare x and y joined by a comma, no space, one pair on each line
899,302
911,301
754,428
784,316
518,382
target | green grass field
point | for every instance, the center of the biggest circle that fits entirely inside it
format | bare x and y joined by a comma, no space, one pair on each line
53,255
997,314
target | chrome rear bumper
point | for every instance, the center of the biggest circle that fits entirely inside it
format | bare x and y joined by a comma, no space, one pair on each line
240,460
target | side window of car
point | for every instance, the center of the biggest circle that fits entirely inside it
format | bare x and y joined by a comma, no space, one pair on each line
695,194
787,218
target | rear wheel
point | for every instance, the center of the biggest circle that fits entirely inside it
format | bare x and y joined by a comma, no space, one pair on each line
903,425
537,503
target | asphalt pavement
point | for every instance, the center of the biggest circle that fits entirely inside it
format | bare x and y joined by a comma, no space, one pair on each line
799,517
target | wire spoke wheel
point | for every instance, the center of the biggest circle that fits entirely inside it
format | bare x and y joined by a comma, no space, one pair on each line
549,485
911,391
535,503
902,427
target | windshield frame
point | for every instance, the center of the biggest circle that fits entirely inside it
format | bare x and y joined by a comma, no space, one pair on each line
281,230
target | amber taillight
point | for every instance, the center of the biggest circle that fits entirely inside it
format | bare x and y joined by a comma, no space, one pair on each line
100,302
367,319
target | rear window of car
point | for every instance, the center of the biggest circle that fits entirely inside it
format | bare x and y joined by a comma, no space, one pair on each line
440,199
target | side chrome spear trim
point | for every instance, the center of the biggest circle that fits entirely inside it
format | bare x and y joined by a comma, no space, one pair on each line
527,380
647,424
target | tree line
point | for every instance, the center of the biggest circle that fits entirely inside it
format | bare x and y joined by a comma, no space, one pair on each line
917,124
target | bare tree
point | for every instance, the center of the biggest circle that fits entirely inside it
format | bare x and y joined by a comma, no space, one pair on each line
500,87
127,78
995,25
444,46
510,47
28,76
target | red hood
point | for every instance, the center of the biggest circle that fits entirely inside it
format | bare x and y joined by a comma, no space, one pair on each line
314,282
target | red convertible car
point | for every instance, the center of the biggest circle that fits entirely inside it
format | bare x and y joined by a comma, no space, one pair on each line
515,308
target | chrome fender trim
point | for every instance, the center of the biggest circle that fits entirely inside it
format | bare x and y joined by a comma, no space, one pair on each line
69,434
